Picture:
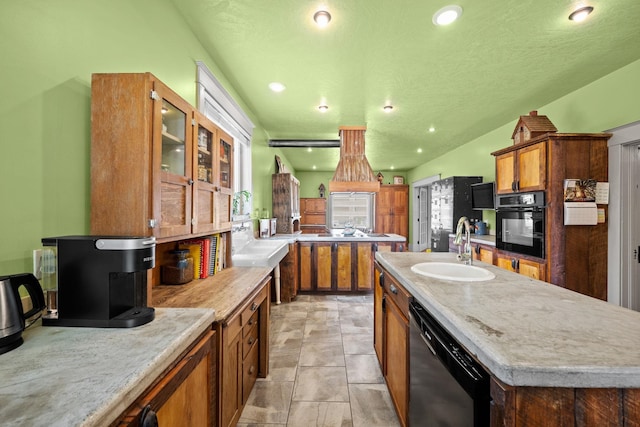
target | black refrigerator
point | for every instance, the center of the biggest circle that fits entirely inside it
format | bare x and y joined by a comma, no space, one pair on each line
450,200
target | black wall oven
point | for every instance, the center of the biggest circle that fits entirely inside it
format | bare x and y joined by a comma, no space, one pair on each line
520,222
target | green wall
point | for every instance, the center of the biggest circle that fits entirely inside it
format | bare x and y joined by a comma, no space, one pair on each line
607,103
49,50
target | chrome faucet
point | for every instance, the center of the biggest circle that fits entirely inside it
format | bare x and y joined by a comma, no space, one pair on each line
466,255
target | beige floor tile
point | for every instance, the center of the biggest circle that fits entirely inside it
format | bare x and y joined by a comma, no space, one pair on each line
268,403
371,406
324,353
320,414
283,366
321,384
363,369
357,344
322,331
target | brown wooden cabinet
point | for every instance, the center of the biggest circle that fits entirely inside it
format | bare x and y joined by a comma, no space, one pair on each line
391,338
519,264
155,164
286,202
523,169
392,210
158,167
575,255
289,274
342,266
313,215
186,395
245,353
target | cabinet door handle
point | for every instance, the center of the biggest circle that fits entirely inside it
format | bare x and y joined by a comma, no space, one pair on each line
513,186
478,250
254,306
384,303
393,289
148,417
381,279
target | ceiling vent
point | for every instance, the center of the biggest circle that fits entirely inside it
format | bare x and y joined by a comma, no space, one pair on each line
353,172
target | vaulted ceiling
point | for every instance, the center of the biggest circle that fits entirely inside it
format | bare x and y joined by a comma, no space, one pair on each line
500,59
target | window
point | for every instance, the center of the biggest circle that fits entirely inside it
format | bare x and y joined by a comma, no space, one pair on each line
216,103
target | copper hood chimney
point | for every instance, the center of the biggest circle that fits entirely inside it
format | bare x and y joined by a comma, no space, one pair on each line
353,172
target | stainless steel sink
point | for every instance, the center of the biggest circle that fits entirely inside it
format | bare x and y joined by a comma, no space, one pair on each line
453,271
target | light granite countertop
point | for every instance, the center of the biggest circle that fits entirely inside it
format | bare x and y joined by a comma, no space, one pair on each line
310,237
485,239
527,332
65,376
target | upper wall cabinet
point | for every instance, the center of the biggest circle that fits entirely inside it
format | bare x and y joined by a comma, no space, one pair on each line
523,169
156,163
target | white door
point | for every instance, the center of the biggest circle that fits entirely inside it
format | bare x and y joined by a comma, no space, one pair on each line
632,213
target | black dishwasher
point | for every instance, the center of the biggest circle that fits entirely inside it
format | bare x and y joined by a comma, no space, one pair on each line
447,388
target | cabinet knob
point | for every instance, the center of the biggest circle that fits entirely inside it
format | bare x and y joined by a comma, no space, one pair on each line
148,417
393,289
251,341
190,181
254,306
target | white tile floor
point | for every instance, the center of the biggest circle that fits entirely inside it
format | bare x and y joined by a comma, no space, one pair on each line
323,369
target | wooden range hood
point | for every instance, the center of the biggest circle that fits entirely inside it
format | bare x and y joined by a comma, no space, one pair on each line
353,172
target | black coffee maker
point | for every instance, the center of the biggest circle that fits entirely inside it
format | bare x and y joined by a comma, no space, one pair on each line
101,281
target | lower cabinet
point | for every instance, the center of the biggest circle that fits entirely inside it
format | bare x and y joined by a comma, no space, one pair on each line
524,266
391,338
483,253
186,395
244,354
289,277
338,266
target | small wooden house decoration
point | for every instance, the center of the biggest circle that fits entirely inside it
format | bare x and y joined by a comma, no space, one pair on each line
531,126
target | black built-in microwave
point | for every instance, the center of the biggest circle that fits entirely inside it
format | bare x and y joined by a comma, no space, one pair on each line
520,223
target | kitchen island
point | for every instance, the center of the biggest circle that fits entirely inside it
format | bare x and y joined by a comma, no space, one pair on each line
332,262
552,353
66,376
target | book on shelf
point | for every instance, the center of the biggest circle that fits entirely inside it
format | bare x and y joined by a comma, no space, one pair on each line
208,253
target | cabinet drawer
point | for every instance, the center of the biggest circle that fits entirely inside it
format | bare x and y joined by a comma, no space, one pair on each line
397,294
253,306
249,340
250,372
251,323
232,328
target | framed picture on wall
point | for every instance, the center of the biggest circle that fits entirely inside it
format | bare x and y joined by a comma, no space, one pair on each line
398,180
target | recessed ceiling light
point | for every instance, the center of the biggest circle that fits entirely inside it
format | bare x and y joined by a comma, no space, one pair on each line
419,150
392,168
322,18
314,167
309,149
432,129
580,14
447,15
323,108
276,86
388,108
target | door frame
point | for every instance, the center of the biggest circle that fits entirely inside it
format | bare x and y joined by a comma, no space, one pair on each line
415,214
619,288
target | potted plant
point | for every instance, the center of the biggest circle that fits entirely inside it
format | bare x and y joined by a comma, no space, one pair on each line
240,207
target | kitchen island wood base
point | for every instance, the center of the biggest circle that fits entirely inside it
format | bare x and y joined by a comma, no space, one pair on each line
533,406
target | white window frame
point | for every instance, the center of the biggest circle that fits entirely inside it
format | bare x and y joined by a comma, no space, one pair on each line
217,104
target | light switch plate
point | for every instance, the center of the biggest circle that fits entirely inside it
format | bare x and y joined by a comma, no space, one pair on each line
37,263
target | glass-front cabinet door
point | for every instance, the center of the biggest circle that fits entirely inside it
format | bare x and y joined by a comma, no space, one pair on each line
172,162
204,194
224,152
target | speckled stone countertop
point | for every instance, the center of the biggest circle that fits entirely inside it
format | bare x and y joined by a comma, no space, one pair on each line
63,376
527,332
485,239
309,237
